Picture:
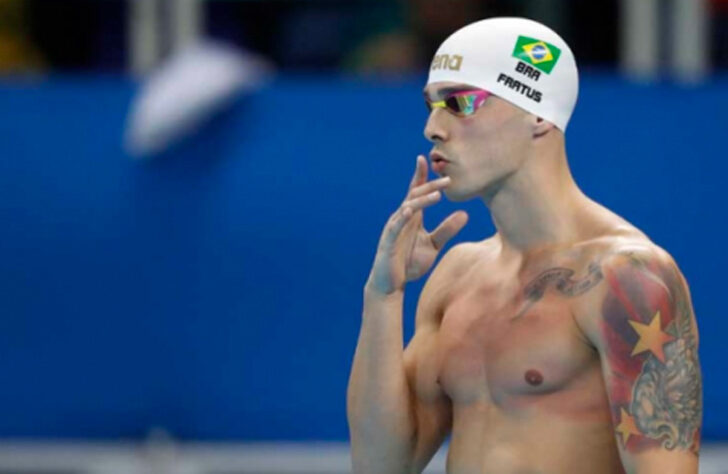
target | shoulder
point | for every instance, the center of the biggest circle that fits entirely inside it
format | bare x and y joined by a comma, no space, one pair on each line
460,258
632,259
629,250
645,274
639,279
453,265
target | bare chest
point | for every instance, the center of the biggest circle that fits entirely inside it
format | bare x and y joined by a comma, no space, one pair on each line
503,340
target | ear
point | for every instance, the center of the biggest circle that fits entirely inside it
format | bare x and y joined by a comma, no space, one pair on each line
541,127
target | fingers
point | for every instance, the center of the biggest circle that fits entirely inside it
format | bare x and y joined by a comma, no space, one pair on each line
423,201
429,187
420,195
406,211
398,220
420,175
419,186
448,228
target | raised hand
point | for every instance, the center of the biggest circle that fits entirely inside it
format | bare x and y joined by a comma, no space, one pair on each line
406,250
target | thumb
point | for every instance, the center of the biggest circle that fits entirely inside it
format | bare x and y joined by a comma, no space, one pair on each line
448,228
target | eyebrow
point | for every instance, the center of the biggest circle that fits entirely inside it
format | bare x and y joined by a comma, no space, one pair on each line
449,90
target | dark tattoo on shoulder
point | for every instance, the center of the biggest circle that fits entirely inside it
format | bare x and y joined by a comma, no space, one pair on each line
655,383
560,278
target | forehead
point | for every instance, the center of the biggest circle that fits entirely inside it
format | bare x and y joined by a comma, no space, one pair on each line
440,89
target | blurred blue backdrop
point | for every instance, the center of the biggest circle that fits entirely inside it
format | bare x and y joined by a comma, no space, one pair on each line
216,291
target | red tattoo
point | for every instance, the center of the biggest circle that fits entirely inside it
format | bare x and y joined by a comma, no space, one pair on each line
654,377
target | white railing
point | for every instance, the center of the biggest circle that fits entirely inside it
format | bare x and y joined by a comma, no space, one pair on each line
166,457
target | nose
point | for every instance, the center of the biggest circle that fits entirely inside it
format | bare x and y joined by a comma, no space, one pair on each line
434,128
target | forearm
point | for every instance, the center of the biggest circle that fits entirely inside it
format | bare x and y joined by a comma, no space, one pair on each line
379,409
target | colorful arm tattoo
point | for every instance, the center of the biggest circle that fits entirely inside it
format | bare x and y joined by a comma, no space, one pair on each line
651,351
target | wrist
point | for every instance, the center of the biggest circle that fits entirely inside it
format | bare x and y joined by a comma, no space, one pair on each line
372,293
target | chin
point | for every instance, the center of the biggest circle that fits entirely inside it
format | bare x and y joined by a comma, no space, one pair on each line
457,195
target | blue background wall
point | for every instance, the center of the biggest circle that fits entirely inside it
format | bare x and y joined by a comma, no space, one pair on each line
216,291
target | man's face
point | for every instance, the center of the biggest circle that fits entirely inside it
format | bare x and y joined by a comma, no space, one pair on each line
482,149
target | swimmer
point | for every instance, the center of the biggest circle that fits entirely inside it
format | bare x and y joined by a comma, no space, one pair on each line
564,343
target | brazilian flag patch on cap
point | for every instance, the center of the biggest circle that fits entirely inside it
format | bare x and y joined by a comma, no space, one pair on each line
540,54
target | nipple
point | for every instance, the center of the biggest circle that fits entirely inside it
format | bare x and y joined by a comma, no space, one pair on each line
533,377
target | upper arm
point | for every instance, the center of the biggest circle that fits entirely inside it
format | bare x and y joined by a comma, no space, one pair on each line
647,338
432,408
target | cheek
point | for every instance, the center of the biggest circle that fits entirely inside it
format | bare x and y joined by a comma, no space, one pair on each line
490,145
475,137
483,147
502,141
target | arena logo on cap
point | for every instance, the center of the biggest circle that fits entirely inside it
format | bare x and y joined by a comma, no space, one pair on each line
540,54
447,61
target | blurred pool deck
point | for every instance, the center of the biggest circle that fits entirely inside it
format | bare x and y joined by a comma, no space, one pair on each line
168,457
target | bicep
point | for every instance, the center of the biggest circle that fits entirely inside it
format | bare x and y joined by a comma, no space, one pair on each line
648,344
431,408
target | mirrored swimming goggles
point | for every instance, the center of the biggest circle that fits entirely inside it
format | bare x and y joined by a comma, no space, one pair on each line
460,103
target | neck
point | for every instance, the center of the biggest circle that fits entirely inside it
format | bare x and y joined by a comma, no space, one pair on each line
539,205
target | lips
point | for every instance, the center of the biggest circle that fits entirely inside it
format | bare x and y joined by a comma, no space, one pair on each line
438,161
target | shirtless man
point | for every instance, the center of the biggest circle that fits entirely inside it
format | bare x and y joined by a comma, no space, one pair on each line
566,342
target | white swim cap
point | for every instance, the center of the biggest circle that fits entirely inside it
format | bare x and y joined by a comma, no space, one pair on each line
519,60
